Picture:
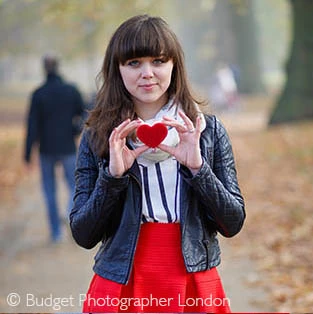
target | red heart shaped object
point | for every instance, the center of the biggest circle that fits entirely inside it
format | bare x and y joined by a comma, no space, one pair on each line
153,135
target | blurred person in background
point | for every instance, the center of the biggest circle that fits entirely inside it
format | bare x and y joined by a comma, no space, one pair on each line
224,90
54,120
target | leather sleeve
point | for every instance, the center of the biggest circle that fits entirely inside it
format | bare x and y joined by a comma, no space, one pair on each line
98,197
217,186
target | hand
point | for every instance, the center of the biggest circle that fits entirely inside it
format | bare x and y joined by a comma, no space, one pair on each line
121,157
187,152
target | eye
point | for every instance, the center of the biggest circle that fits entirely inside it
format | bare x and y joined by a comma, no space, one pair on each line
159,61
133,63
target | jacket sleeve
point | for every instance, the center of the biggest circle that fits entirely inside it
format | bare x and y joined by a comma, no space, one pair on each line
32,133
218,188
97,197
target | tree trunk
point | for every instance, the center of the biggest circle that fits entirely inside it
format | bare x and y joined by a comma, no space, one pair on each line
220,35
296,99
247,46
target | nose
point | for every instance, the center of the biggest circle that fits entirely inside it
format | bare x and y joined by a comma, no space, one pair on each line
146,70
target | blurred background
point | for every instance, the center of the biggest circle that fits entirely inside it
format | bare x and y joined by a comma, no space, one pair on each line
251,58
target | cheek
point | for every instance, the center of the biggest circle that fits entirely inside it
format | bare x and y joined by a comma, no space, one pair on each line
126,78
167,76
124,71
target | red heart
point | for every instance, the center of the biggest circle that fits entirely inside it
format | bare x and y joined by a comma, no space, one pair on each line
153,135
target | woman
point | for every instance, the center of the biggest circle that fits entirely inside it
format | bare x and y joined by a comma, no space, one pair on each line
156,211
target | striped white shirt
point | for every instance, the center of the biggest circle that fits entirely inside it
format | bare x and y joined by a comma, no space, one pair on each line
160,197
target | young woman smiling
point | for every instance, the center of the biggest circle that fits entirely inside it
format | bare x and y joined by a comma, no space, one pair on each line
156,210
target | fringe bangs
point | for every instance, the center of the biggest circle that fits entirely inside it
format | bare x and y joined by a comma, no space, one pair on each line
147,39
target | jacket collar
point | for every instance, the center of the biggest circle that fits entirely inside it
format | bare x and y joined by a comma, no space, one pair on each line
53,77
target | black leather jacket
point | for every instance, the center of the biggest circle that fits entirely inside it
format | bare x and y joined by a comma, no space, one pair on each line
109,209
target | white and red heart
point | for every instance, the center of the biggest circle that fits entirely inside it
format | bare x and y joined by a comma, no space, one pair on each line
152,135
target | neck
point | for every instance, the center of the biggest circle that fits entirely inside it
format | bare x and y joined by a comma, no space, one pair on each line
147,111
52,75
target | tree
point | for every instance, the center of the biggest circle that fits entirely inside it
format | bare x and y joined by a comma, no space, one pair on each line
296,99
248,52
221,32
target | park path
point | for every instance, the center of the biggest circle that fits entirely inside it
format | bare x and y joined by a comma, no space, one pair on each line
34,272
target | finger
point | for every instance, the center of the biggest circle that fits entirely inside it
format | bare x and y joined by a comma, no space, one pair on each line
129,128
141,149
168,118
112,135
178,126
168,149
115,136
115,140
122,125
125,126
198,125
187,121
174,123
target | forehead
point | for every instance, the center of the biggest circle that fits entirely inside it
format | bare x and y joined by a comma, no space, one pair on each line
146,41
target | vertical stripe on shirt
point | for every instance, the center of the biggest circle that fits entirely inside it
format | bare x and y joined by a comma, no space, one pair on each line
162,191
147,193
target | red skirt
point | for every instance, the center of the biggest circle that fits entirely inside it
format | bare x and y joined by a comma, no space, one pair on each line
159,281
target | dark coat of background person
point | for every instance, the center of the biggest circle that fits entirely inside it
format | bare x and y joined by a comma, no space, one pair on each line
51,120
55,118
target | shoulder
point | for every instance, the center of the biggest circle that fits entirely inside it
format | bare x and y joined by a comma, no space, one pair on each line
213,123
215,134
85,146
70,86
86,153
37,93
210,120
85,138
87,143
39,89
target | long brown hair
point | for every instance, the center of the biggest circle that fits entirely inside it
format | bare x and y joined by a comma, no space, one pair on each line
139,36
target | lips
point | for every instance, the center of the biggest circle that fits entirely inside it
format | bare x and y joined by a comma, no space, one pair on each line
147,86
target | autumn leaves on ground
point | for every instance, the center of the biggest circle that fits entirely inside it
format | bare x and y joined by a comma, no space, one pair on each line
275,169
